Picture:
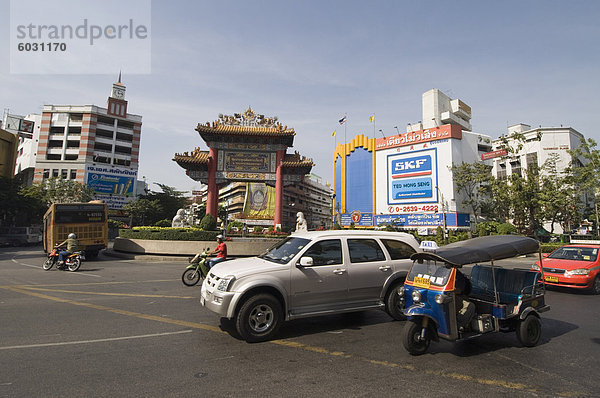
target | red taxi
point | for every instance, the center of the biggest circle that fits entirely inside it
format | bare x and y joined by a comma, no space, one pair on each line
574,266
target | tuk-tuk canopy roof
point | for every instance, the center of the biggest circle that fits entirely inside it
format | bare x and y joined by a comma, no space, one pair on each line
479,250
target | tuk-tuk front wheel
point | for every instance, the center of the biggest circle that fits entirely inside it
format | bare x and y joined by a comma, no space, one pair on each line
529,331
413,339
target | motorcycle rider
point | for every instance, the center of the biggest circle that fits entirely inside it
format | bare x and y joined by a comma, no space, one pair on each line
71,244
220,251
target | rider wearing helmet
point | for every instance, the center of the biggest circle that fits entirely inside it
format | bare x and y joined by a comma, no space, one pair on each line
71,244
220,251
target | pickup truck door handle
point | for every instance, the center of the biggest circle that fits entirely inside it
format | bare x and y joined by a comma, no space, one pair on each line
385,268
339,271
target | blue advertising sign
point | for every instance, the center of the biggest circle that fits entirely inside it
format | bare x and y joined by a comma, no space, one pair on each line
111,182
359,219
411,167
411,188
412,177
424,219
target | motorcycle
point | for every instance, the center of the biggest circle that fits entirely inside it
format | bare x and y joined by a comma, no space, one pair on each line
196,270
72,262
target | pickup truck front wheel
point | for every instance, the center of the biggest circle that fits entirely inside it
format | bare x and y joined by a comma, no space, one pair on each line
259,318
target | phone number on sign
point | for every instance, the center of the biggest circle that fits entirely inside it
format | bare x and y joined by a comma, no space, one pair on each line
408,209
42,46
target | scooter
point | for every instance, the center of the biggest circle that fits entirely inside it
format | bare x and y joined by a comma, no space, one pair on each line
72,262
198,269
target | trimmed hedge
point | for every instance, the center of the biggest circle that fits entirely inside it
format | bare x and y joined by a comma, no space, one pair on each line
550,247
168,233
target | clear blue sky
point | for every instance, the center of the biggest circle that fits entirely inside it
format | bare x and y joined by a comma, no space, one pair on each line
311,62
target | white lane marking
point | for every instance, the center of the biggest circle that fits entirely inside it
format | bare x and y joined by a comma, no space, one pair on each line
39,267
143,336
27,265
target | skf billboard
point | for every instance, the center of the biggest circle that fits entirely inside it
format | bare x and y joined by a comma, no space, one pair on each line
412,177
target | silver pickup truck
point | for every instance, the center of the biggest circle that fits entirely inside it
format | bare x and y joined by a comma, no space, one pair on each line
308,274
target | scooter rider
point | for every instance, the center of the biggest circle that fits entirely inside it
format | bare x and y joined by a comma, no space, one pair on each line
220,251
71,244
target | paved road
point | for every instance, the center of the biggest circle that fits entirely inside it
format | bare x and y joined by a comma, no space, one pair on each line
130,328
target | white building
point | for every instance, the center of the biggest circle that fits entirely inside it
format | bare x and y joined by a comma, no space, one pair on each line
552,140
439,109
95,146
539,145
407,178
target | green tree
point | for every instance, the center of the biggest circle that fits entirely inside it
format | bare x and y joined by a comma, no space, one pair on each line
208,223
584,171
525,202
59,190
473,181
170,200
144,211
16,208
497,208
557,196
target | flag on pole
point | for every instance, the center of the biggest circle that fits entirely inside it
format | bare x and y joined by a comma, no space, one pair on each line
342,120
333,134
372,118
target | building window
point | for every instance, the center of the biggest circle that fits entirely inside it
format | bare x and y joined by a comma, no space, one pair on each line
106,120
76,117
46,173
100,146
52,157
501,171
104,133
71,157
73,174
63,174
532,160
54,172
515,168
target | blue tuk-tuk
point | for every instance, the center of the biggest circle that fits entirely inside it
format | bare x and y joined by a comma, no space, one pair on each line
440,301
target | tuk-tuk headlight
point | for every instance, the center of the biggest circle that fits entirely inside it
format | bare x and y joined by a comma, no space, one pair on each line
401,292
416,296
535,267
439,298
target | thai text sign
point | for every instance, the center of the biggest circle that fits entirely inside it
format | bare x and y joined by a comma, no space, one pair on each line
109,181
416,137
493,154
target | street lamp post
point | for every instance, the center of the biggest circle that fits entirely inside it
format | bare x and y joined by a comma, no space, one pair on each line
443,213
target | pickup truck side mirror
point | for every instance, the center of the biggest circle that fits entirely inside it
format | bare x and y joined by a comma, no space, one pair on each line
305,262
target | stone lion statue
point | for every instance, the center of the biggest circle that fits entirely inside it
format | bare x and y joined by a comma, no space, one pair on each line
301,222
179,219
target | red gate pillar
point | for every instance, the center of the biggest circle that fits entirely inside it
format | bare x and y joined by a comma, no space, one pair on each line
212,198
279,190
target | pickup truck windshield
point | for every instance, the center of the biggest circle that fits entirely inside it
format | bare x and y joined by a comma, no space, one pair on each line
284,251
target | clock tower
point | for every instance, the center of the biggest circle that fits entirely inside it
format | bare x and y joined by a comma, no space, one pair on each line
117,106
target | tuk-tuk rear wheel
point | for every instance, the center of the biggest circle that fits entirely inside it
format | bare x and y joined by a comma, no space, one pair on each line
529,331
411,338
